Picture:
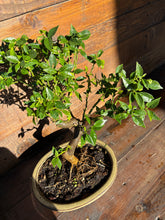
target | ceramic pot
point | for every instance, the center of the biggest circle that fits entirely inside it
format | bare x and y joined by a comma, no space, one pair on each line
81,203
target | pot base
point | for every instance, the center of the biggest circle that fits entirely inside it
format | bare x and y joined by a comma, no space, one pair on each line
75,204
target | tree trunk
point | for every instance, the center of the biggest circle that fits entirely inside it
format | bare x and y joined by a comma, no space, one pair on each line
69,154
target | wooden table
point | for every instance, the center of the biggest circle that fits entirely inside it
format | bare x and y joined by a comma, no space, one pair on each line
137,193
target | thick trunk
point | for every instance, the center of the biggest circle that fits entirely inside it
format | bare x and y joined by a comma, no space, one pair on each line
69,154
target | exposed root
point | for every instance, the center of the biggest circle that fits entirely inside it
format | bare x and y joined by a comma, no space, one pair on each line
84,175
90,172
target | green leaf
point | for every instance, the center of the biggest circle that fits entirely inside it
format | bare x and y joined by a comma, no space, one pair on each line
17,67
9,40
100,63
62,40
9,81
34,45
83,140
49,93
21,41
44,65
139,100
126,82
152,115
99,124
119,68
92,137
154,103
138,121
139,86
72,30
52,60
29,111
56,162
12,59
121,116
147,97
99,53
84,35
139,70
60,105
123,105
47,77
32,53
31,63
24,71
145,83
50,70
80,78
54,114
88,119
78,96
154,85
53,150
77,71
41,113
82,52
48,43
66,67
140,113
52,32
67,113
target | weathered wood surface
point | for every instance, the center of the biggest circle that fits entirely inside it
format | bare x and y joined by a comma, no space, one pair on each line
139,189
10,8
128,31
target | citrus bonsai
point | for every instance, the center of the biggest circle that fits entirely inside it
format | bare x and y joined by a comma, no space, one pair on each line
49,70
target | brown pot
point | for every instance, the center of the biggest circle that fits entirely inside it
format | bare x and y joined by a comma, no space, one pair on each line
81,203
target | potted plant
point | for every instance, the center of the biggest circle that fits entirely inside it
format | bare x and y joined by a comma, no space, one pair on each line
50,72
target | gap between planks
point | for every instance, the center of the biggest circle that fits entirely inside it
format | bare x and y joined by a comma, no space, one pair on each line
141,139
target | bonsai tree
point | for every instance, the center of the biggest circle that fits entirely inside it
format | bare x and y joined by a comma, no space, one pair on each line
49,69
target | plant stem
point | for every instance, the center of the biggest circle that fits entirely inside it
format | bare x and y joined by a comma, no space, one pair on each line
69,154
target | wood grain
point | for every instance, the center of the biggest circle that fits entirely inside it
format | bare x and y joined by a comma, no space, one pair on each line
87,13
123,41
137,172
152,203
13,8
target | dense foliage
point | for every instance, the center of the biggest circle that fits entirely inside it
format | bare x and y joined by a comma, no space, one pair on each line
48,68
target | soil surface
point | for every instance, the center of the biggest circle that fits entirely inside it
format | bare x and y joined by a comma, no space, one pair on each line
67,185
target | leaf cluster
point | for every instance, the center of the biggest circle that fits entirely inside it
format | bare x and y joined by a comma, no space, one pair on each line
48,67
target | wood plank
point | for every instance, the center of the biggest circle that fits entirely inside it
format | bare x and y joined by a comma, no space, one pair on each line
129,186
12,8
120,28
137,172
63,14
128,52
18,212
86,13
152,204
24,170
111,38
129,134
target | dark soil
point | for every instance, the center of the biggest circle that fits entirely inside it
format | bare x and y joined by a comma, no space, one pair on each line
66,185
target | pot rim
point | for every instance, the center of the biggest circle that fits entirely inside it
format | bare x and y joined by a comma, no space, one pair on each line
76,204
